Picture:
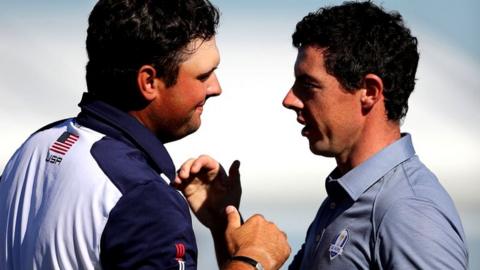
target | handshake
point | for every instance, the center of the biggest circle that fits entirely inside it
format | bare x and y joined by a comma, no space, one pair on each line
214,197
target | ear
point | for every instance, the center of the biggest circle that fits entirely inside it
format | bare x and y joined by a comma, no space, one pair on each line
372,92
148,83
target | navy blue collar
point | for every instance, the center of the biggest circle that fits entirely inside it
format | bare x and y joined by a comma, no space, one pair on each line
117,124
355,182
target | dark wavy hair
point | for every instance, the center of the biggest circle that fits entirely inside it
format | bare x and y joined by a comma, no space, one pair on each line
123,35
362,38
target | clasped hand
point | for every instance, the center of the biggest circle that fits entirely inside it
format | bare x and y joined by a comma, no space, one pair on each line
208,189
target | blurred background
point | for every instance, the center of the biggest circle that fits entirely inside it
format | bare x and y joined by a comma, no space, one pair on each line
42,60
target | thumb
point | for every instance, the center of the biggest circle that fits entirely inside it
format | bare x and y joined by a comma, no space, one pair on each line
234,172
233,218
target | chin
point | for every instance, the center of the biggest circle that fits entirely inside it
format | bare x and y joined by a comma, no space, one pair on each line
181,131
189,129
321,151
177,135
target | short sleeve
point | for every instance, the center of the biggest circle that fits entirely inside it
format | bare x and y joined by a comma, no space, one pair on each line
416,234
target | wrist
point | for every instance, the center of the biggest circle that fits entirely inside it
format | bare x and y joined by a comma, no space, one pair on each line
219,225
257,255
249,261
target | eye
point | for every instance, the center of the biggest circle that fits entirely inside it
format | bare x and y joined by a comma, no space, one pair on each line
205,76
305,89
308,86
305,86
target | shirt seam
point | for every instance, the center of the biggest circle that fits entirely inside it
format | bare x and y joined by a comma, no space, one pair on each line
407,178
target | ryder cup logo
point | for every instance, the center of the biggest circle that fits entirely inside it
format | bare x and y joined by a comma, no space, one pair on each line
336,248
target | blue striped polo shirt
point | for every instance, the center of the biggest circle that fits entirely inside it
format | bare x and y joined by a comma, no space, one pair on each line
390,212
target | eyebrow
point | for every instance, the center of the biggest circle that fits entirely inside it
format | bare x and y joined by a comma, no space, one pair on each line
206,74
307,78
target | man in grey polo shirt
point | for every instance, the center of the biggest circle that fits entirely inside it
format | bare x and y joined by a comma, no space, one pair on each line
354,72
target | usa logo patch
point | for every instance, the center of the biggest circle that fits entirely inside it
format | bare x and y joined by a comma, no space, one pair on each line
64,143
336,248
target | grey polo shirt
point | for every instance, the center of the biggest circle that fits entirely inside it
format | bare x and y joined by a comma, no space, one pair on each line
390,212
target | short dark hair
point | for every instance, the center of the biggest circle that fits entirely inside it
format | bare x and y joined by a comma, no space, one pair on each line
123,35
362,38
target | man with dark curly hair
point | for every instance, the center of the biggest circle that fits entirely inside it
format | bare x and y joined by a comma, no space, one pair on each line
97,191
354,72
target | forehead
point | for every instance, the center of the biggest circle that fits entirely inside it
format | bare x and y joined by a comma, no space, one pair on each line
309,60
204,54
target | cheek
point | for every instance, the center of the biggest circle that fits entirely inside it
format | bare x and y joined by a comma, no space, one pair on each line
187,96
318,111
337,117
348,120
192,93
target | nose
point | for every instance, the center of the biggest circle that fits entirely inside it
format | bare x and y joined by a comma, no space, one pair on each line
291,101
213,86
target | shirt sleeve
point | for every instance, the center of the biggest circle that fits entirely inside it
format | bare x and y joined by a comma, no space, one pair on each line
415,234
149,228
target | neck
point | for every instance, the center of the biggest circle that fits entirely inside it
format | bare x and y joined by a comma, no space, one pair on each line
143,117
373,138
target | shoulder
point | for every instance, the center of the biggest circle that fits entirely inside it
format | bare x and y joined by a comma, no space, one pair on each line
129,169
414,231
411,186
410,178
416,220
123,163
411,183
417,214
412,190
150,220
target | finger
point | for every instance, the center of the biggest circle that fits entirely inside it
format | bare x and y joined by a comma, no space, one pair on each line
181,184
184,171
181,181
204,162
177,181
233,218
234,172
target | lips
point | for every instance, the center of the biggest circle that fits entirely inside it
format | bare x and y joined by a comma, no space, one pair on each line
200,106
201,103
305,131
300,119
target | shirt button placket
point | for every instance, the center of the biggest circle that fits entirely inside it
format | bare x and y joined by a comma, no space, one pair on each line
333,205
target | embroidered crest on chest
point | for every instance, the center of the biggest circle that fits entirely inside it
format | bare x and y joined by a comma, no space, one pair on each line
338,243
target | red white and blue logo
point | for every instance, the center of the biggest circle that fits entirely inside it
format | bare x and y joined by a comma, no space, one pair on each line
336,248
64,143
